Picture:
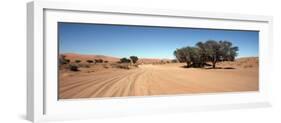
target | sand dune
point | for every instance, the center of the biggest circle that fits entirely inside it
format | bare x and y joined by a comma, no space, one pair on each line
84,58
246,62
163,79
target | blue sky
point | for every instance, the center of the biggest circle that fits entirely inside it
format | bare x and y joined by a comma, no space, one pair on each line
144,41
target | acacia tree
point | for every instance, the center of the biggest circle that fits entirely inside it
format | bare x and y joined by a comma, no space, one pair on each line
189,55
180,55
216,51
134,59
229,52
212,51
183,56
209,51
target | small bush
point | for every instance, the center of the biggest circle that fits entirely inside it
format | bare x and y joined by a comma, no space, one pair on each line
162,62
124,66
174,61
121,66
77,61
67,61
98,60
125,60
90,61
73,67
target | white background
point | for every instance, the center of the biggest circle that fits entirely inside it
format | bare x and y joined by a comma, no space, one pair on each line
13,61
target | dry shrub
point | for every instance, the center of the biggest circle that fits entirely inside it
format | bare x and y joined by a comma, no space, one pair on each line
73,67
123,66
126,66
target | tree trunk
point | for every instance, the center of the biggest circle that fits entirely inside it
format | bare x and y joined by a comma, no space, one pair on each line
214,64
187,64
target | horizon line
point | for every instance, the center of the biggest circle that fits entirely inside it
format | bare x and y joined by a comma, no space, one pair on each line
136,55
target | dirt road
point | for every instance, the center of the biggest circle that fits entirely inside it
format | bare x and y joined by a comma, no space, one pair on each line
156,80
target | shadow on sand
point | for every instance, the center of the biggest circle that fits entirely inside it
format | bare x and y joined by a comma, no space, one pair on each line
209,68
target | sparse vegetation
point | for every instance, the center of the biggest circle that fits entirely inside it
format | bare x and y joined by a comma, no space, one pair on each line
90,61
162,62
174,61
67,61
98,61
122,66
77,61
73,67
125,60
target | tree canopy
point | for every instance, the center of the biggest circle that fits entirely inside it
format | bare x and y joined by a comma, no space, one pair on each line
134,59
125,60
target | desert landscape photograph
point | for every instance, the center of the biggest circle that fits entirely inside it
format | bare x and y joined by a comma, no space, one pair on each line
106,60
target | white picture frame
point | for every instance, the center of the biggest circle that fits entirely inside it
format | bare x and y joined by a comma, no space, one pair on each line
42,102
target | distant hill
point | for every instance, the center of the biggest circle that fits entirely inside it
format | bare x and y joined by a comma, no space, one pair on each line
245,62
152,60
85,57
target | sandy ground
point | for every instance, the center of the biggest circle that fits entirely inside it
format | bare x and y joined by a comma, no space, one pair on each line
156,80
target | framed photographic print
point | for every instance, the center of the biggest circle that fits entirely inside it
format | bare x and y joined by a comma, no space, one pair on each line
92,61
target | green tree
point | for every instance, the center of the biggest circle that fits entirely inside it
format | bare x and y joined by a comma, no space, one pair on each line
228,51
209,51
125,60
189,55
213,52
216,51
180,55
134,59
